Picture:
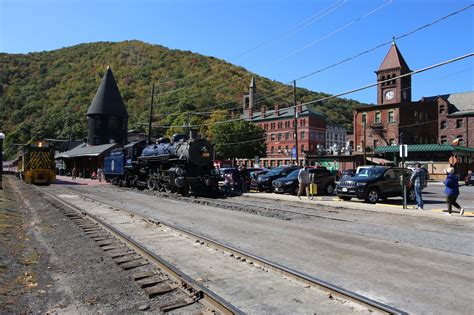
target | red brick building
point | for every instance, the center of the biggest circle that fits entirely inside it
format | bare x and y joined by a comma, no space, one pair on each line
395,114
279,126
455,118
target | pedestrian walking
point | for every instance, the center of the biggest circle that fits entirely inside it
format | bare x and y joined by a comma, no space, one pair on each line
73,174
452,191
100,174
418,182
303,180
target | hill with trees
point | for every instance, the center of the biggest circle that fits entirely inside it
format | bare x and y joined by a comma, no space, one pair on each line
47,94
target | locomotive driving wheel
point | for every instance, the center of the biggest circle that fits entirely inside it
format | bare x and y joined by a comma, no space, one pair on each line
151,182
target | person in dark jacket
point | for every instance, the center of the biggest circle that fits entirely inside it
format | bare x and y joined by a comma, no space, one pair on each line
452,191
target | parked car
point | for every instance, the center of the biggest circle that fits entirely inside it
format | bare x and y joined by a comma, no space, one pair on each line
375,183
348,173
264,182
323,178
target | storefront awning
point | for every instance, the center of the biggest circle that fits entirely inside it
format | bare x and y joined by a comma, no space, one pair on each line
424,148
379,161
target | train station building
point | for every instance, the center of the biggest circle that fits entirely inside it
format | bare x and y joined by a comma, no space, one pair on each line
107,129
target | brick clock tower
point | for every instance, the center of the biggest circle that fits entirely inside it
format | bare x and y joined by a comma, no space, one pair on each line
396,90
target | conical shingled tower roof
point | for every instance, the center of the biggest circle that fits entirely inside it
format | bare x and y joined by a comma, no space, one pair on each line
107,100
393,59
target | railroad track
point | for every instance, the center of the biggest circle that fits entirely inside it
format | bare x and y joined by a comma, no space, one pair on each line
306,280
158,277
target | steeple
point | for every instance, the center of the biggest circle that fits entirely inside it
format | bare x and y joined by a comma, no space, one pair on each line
393,59
253,85
392,90
107,114
107,100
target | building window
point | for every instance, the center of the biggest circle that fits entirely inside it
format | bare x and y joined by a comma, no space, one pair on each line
302,148
458,123
461,140
364,118
443,139
273,137
279,136
442,109
272,150
391,141
279,149
287,136
302,134
376,143
391,117
442,125
378,117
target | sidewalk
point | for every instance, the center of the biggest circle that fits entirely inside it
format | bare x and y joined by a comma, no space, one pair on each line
390,206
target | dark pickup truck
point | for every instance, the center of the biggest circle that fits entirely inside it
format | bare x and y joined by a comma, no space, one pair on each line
375,183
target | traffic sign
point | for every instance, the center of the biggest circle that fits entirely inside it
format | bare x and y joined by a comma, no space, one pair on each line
403,150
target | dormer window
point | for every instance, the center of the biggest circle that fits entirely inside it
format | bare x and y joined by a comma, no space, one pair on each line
442,109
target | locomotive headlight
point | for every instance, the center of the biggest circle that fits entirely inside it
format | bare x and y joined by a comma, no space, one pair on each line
179,171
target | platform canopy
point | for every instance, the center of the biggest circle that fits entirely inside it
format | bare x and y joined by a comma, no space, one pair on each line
424,148
85,150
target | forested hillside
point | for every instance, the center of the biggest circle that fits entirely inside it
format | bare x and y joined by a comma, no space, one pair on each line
47,94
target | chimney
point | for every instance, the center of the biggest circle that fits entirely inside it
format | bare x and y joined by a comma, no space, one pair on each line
299,107
250,112
263,110
277,110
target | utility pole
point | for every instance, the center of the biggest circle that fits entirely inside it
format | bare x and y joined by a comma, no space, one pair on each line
1,158
151,113
295,121
404,187
364,123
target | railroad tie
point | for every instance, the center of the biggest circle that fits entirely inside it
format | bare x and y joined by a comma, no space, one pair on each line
116,245
159,290
175,304
134,264
106,242
120,253
150,281
127,258
143,274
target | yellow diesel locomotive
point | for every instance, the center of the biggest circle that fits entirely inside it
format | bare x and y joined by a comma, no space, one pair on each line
36,163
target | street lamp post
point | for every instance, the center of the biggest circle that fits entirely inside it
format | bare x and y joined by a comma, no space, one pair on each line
1,158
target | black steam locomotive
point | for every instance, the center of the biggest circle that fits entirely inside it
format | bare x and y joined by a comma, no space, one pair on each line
183,165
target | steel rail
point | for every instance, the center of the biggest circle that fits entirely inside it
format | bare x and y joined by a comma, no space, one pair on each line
305,279
205,296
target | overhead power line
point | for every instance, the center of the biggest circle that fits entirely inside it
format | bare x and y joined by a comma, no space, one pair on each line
386,43
349,58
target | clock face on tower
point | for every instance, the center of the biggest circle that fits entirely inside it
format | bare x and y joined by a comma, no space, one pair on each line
389,95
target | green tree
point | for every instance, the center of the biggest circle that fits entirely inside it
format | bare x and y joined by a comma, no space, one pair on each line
238,140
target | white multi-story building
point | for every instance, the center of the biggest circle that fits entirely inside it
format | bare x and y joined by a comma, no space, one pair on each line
335,135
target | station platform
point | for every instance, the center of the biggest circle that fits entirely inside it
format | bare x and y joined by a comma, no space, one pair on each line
67,180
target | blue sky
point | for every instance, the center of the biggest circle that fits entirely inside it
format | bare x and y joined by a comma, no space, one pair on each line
281,39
